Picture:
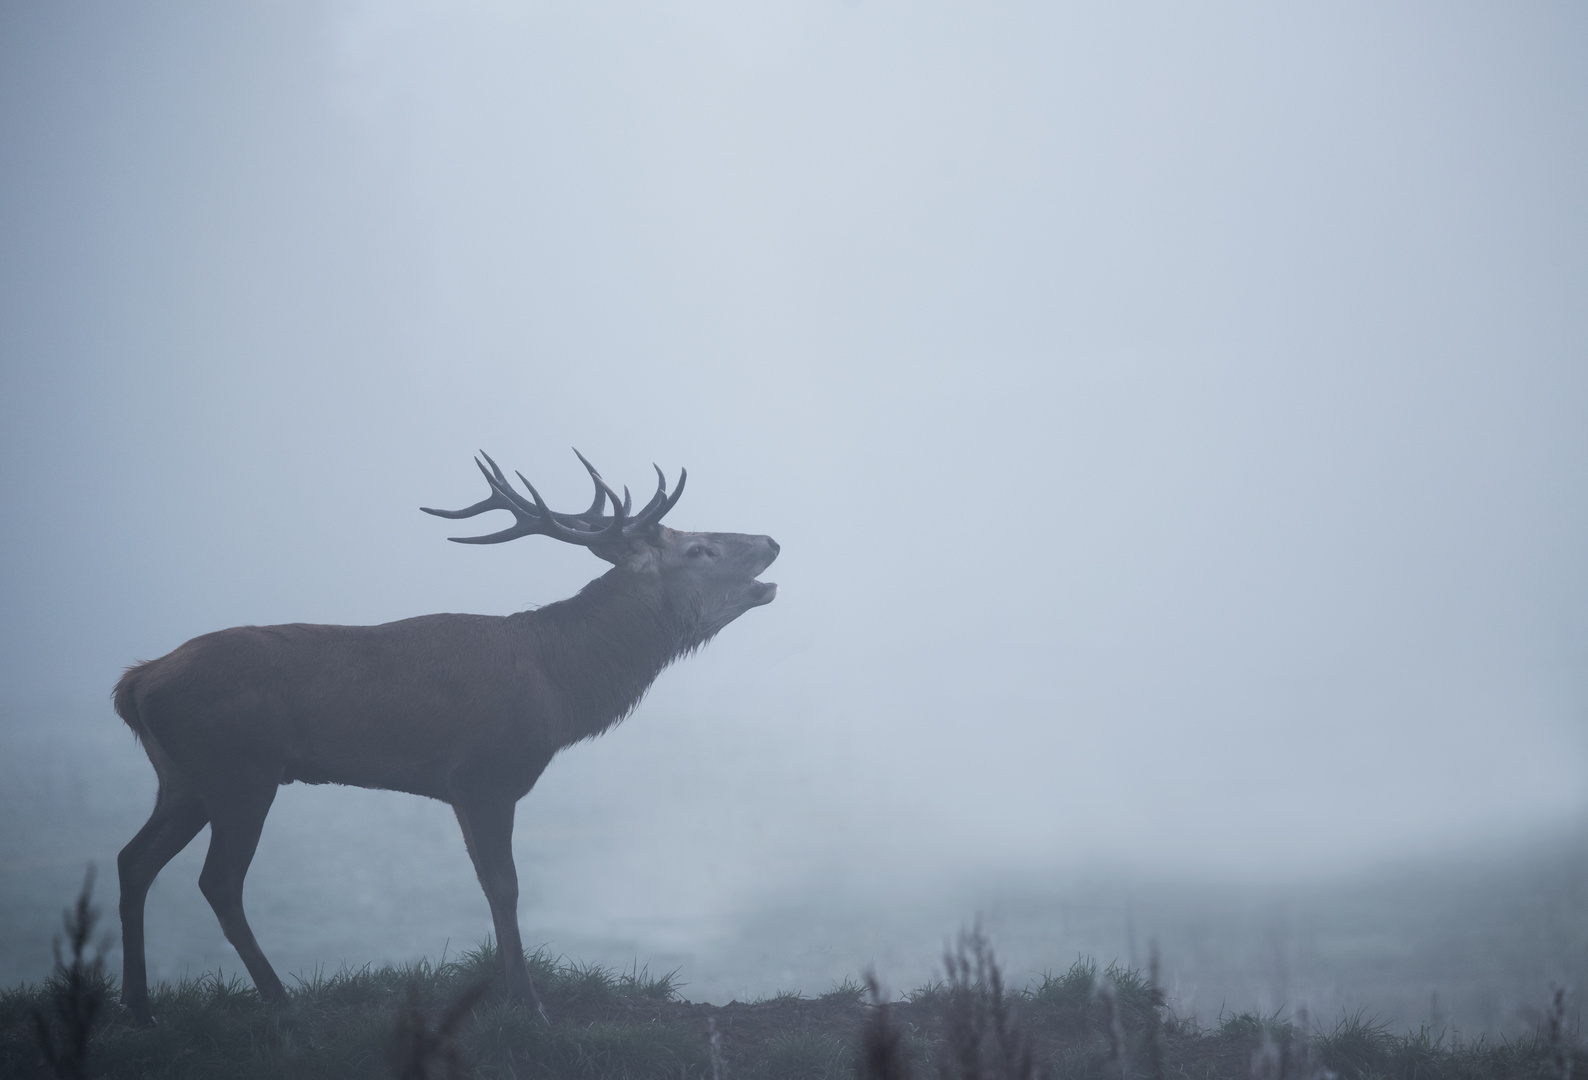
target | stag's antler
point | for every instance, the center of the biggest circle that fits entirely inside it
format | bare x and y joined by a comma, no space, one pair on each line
588,529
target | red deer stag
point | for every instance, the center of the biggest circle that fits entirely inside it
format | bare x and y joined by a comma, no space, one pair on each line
468,709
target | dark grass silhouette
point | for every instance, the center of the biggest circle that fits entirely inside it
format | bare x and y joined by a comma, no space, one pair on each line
1558,1035
74,998
422,1052
982,1035
454,1020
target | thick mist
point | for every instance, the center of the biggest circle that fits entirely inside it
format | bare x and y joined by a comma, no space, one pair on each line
1173,420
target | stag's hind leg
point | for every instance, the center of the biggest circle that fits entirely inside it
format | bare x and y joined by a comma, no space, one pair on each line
177,818
235,824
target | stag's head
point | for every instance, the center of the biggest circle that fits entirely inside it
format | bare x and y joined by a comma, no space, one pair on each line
710,577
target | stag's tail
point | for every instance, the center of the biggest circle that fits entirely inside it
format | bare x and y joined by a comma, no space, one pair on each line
125,700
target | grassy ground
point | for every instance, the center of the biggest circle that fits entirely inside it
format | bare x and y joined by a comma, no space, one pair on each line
448,1020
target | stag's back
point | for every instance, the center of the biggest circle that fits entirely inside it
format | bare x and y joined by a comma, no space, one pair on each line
402,705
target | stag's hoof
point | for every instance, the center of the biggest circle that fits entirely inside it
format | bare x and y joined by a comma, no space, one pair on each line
136,1017
523,992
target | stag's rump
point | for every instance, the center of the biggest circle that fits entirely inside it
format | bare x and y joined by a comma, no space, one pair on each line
407,705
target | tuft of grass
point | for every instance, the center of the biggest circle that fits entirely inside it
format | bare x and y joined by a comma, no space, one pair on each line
1069,998
1357,1046
638,982
1085,1001
784,997
1249,1027
804,1055
847,992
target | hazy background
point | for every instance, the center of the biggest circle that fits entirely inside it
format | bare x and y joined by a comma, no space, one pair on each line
1175,421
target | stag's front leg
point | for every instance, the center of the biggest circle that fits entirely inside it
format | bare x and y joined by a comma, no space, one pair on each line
487,823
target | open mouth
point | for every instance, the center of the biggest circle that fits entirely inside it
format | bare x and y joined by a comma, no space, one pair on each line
763,592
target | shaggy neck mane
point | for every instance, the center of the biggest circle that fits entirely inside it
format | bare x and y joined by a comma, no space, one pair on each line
602,648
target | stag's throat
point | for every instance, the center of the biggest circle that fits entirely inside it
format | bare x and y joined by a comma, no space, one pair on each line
602,649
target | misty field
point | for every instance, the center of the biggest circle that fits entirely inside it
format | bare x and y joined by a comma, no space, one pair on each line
1471,940
449,1020
1444,968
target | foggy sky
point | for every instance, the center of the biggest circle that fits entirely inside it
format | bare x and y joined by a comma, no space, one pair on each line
1175,419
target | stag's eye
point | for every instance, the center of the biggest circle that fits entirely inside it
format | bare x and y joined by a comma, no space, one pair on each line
697,551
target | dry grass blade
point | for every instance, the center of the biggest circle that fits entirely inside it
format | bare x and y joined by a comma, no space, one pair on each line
1555,1031
420,1052
882,1055
1155,1032
77,993
984,1040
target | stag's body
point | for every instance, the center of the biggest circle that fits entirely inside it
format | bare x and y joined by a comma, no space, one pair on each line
467,709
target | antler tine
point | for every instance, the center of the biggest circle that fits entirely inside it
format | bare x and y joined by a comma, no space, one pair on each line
603,493
594,513
532,518
571,520
561,526
656,500
556,528
494,501
527,523
660,503
504,489
480,507
535,517
511,533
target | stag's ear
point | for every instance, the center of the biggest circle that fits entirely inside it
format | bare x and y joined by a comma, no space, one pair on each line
632,553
